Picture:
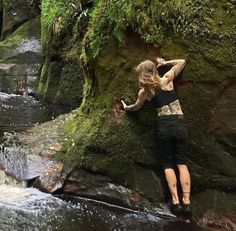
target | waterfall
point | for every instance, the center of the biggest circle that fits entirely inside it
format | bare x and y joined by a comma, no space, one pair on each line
13,159
13,164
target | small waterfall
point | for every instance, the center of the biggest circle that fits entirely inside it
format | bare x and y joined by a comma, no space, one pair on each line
13,165
13,160
23,208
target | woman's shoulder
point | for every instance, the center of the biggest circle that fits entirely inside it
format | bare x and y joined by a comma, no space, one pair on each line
166,85
142,93
145,94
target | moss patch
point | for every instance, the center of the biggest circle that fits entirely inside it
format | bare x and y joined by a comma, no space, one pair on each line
28,30
16,13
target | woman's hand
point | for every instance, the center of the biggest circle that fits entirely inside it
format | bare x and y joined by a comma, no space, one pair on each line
124,105
161,62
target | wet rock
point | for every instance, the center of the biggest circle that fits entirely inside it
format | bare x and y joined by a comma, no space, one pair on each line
50,179
20,59
214,222
36,166
46,139
215,209
41,143
97,187
28,155
148,183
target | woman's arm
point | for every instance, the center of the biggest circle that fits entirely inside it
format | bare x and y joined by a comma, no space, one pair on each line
177,67
138,104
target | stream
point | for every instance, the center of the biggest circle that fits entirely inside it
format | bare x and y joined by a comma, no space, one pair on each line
23,209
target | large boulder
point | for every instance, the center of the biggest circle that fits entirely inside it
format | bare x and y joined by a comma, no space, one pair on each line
15,13
20,53
119,144
122,147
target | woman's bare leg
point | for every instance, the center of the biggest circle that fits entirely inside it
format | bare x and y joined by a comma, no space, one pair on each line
172,184
185,182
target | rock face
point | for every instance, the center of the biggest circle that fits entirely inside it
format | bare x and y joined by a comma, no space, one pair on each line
61,83
20,48
20,56
223,124
62,76
123,146
15,13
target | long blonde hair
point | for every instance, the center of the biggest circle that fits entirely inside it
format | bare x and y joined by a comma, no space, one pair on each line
149,78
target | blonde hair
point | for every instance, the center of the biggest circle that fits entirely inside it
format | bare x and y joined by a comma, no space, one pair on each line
149,78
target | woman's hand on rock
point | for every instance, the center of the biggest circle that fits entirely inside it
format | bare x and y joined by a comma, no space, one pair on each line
124,105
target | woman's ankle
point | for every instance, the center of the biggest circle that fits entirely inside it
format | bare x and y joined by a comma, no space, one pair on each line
175,201
186,198
186,201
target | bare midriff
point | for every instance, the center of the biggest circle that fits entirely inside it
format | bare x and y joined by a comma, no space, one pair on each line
172,108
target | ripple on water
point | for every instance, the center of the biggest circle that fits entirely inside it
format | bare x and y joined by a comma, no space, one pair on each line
17,112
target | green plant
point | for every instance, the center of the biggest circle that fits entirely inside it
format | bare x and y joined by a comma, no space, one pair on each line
51,11
152,20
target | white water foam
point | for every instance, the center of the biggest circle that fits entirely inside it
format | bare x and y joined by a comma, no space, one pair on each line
31,44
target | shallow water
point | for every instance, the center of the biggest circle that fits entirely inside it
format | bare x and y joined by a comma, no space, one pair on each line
30,209
18,112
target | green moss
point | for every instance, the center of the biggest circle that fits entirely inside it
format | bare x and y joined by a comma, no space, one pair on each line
190,20
197,101
46,80
61,83
104,145
27,30
223,16
24,10
205,62
99,139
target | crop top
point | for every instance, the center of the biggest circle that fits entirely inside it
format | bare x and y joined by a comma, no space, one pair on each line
163,98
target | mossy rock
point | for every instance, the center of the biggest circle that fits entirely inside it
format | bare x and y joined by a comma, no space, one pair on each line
116,143
16,13
21,54
25,40
61,83
1,13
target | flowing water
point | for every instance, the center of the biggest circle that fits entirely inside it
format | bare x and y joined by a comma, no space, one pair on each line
23,209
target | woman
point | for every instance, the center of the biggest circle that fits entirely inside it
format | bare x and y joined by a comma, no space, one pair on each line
171,126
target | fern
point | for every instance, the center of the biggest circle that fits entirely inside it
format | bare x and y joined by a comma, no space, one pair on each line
51,10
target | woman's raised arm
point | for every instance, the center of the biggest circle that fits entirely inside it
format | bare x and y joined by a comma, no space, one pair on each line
177,67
